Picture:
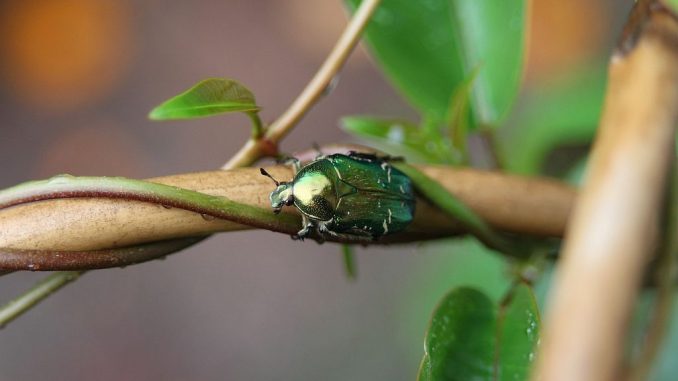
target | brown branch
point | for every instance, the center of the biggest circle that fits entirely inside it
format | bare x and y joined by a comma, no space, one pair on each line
50,260
537,207
614,228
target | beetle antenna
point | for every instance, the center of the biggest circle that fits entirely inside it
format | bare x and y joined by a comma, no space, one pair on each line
263,172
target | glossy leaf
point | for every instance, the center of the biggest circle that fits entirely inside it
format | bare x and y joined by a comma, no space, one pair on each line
209,97
492,35
427,48
519,334
459,344
471,338
399,137
414,43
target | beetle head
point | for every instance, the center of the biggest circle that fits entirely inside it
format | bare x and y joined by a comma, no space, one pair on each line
283,194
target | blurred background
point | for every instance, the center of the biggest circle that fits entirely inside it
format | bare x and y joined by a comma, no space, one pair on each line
77,78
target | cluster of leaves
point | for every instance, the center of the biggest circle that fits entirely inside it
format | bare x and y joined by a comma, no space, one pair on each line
458,75
446,60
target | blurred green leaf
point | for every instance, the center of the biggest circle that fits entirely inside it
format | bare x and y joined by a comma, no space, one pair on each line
209,97
673,4
459,344
427,48
519,332
492,35
414,43
562,111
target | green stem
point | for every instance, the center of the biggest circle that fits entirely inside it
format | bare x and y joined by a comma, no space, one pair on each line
450,204
350,266
37,293
257,126
65,186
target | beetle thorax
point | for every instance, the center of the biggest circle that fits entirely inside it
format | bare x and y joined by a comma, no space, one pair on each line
313,194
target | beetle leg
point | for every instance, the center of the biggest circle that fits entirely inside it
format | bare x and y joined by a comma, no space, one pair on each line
305,231
324,230
318,150
289,160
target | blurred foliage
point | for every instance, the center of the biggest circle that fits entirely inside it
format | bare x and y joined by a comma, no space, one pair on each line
673,4
563,110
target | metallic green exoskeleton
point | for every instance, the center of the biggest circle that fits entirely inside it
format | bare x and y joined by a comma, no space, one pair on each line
348,195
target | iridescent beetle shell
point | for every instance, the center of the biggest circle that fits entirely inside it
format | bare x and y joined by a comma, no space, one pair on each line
355,195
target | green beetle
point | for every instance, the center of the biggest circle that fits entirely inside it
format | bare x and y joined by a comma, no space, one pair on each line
347,195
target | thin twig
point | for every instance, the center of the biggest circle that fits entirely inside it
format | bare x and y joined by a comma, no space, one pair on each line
40,291
253,150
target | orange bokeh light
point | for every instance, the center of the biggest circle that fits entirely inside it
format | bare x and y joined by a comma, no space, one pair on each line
62,54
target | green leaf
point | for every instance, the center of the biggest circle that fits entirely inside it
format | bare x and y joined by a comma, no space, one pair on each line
459,344
399,137
209,97
492,37
414,43
450,204
470,338
427,48
518,334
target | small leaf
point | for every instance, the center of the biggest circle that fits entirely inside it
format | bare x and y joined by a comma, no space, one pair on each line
519,333
459,344
398,137
209,97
